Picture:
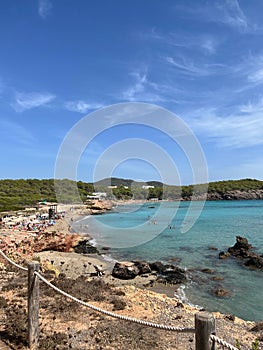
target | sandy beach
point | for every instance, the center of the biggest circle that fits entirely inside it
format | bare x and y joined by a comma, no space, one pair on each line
137,300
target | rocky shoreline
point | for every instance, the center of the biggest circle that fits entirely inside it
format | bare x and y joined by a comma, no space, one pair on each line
133,280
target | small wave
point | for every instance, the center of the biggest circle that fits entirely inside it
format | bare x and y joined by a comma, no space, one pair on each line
109,258
84,218
93,242
181,295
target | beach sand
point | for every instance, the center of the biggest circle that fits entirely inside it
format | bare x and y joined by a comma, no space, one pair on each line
140,302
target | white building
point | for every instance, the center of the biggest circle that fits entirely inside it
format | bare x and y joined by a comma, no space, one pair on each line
97,195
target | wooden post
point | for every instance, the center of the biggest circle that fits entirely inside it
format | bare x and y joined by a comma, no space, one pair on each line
33,305
204,327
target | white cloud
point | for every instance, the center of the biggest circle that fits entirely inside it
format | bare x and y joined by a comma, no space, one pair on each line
237,130
256,76
44,8
25,101
142,90
250,69
209,45
227,12
232,14
252,108
206,44
82,106
137,88
187,67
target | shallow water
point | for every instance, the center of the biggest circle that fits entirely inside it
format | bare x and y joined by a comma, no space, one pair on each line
155,232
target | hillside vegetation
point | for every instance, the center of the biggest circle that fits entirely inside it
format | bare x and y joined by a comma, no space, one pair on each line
17,194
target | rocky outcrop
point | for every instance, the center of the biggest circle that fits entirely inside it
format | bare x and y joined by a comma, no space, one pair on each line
255,262
244,251
235,195
220,292
241,248
163,273
84,247
143,266
125,270
23,245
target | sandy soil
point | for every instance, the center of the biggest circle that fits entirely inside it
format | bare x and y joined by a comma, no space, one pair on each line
67,325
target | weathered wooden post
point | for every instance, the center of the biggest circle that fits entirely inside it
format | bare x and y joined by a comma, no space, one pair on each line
204,327
33,305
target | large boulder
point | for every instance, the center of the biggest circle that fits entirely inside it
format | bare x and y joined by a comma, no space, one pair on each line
125,270
241,248
157,266
172,274
84,247
143,266
255,261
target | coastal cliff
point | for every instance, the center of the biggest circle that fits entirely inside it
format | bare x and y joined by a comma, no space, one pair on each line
229,195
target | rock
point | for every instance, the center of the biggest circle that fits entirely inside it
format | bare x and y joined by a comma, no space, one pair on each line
220,292
224,255
241,248
125,270
258,327
143,266
208,271
83,247
212,248
217,278
157,266
230,317
255,262
172,274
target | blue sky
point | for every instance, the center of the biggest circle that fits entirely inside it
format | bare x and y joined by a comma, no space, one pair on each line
62,59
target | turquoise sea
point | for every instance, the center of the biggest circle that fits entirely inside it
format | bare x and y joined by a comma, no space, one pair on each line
162,231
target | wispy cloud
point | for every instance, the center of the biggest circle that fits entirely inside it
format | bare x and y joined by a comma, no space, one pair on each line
142,89
227,12
137,88
44,8
15,132
188,67
256,76
25,101
82,106
204,43
250,69
244,128
252,108
232,14
208,44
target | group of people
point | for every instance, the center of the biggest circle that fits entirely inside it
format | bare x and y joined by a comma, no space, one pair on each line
40,223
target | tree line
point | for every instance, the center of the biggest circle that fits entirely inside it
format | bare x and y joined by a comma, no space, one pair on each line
18,194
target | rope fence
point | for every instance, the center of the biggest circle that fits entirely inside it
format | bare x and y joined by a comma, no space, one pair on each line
112,314
204,329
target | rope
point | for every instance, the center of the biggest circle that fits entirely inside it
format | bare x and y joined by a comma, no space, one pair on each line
222,342
12,262
121,317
